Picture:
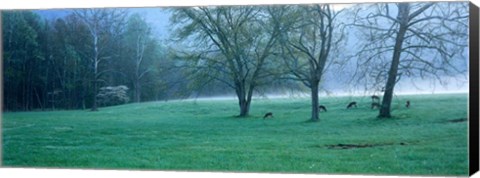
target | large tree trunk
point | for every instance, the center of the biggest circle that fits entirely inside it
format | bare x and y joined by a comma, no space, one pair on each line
392,74
314,96
244,107
244,98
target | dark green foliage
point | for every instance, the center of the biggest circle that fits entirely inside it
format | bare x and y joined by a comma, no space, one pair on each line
48,63
21,56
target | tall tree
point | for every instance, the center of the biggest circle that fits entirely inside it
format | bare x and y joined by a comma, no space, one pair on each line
140,46
104,26
70,65
229,44
310,35
422,39
45,41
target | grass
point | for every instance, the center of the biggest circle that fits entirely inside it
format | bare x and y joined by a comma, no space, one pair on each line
205,136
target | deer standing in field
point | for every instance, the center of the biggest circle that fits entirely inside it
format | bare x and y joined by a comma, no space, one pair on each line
407,104
267,115
322,107
375,99
375,105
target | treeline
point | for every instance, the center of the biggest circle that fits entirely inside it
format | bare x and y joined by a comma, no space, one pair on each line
62,63
241,50
376,45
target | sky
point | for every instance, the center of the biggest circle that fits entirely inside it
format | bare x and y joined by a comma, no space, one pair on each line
48,4
158,17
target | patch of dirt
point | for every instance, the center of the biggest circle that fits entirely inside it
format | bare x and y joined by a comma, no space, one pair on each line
60,147
63,129
367,145
457,120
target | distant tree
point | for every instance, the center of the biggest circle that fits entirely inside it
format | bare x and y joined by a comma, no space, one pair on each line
233,45
410,40
44,67
310,37
161,80
69,71
139,49
104,26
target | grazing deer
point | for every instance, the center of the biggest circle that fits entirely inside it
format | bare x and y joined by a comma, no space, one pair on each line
269,114
375,97
375,105
351,104
408,104
322,107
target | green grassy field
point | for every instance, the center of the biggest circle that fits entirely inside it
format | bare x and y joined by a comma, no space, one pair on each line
430,138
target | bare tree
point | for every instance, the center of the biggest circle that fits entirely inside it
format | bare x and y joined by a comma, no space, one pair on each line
232,45
104,26
421,40
309,37
139,42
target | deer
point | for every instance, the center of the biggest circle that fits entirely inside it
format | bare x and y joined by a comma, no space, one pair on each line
351,104
267,115
407,104
375,98
375,105
322,107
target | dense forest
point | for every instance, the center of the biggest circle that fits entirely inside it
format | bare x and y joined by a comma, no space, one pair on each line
91,58
52,64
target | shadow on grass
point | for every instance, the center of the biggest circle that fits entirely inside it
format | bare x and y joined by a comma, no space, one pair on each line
311,121
364,145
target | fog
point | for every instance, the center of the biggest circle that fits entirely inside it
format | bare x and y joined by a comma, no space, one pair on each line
450,85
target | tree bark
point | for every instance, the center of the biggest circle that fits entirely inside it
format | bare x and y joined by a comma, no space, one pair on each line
244,98
95,73
244,107
314,98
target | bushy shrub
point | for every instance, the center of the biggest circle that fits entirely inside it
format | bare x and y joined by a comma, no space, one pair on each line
113,95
